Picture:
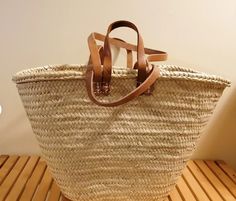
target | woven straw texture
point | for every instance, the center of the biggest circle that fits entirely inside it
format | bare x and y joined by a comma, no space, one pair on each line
135,151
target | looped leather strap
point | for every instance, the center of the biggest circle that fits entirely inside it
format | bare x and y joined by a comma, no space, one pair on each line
141,61
144,86
100,50
95,58
153,55
101,75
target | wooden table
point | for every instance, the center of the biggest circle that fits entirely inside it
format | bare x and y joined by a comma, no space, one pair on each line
25,178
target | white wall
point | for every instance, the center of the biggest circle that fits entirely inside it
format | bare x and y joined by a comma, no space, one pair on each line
199,34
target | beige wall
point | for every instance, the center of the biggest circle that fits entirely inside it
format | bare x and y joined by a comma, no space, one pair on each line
198,34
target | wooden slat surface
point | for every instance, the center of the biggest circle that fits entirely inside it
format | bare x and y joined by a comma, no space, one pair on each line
33,182
219,186
194,186
26,178
229,171
22,179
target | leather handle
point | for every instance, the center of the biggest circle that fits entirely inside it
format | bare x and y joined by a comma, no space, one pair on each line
144,86
100,50
153,55
95,57
99,76
141,61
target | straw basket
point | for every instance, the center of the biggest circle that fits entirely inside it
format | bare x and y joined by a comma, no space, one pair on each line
133,150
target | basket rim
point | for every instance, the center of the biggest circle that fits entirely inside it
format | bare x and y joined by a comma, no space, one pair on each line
77,71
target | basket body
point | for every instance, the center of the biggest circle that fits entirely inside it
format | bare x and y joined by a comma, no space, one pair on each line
135,151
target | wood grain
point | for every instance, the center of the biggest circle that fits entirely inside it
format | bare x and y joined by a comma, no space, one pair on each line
27,178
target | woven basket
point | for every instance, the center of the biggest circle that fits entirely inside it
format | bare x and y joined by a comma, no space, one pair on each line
131,152
101,147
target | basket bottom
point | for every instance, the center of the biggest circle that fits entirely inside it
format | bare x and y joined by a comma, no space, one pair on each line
65,198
